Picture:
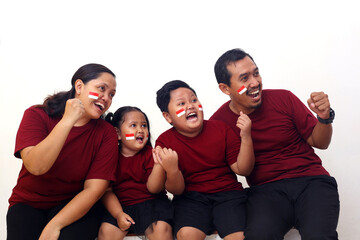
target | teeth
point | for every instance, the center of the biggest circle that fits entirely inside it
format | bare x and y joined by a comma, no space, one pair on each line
100,105
191,114
253,93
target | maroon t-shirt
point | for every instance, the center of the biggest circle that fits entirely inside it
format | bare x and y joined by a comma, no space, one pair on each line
279,130
132,175
89,152
205,160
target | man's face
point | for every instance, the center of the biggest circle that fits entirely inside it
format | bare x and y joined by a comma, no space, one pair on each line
244,73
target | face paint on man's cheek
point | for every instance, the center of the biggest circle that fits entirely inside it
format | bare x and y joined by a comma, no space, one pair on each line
242,90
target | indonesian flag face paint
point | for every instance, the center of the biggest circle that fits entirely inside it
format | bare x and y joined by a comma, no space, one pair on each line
130,136
93,95
200,108
180,112
242,90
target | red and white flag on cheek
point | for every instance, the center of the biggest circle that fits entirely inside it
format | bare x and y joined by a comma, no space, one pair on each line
93,95
180,112
200,107
242,90
130,136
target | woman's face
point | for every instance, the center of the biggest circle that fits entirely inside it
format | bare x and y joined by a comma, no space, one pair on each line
96,95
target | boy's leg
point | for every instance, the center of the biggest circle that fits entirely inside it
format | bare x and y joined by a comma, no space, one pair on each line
25,222
317,209
193,216
270,214
229,214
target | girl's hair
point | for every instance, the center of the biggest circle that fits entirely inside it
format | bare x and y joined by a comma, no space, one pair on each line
54,105
117,119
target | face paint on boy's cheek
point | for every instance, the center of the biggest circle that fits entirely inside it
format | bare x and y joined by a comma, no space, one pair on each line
93,95
130,136
242,90
200,107
180,112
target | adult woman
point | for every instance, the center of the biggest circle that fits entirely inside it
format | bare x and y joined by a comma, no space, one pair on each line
69,156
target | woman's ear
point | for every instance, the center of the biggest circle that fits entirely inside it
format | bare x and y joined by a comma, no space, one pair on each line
78,86
224,88
167,117
118,133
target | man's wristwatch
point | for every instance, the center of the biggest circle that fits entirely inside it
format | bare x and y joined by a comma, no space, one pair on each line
330,119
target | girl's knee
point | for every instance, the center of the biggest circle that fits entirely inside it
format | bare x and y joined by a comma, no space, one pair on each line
109,231
159,230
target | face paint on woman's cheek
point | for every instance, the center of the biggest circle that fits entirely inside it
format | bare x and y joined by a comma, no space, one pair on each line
93,95
200,107
242,90
180,112
130,136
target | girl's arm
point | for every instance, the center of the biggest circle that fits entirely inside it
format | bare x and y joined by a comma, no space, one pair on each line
157,178
112,204
246,158
168,159
76,208
40,158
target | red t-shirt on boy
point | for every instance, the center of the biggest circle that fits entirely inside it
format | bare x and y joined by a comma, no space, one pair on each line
205,160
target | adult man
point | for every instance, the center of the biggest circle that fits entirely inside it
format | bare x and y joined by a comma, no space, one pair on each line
289,186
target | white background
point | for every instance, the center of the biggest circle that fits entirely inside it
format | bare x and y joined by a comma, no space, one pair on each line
302,46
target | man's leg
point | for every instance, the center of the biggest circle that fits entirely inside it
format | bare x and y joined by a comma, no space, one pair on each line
270,214
317,209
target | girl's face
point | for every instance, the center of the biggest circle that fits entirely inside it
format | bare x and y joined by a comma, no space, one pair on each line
96,95
133,133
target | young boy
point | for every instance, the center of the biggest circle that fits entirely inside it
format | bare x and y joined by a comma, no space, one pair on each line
200,159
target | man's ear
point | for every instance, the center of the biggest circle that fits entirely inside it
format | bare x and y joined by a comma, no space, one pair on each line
118,133
78,86
167,116
224,88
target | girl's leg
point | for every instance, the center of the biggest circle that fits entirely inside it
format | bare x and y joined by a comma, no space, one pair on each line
110,232
25,222
159,231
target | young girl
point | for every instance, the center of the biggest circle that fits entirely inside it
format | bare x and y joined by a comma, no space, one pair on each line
137,201
64,145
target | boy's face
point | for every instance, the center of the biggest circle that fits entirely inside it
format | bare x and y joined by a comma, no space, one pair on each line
185,112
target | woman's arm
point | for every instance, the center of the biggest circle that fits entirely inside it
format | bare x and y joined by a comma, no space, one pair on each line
76,208
40,158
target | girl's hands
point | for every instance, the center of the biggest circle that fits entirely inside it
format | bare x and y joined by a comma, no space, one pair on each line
124,221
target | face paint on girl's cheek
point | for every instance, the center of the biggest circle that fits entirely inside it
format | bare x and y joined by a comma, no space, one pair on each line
93,95
180,112
242,90
200,108
130,136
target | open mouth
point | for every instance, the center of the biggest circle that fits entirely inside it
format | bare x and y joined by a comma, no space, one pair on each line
191,116
140,139
99,105
253,92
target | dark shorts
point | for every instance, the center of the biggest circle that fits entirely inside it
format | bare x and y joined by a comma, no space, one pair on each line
222,211
310,204
26,222
145,213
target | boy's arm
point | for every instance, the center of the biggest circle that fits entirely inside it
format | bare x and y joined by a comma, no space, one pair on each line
246,158
168,159
112,204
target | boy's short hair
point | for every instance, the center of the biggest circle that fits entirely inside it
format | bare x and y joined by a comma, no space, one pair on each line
163,94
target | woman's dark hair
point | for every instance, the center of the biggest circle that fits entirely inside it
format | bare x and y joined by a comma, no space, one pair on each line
221,72
163,94
117,119
54,105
